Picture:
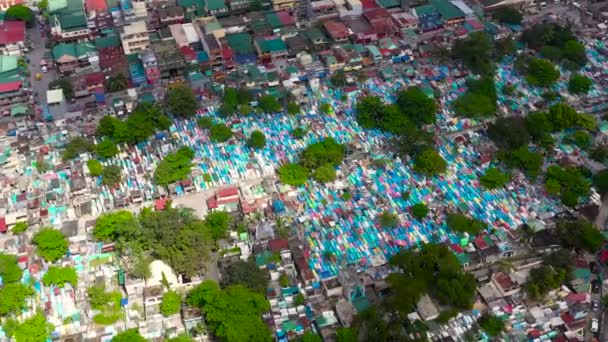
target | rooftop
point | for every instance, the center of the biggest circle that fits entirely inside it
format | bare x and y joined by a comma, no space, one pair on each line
12,32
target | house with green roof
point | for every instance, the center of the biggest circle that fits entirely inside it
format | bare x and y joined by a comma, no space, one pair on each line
217,8
14,98
452,14
71,56
317,38
192,8
242,46
270,48
68,20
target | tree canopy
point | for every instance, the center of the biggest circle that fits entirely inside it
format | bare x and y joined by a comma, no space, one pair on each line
338,78
51,244
600,181
205,122
269,104
373,113
541,72
492,325
58,276
475,52
293,174
344,334
509,132
508,15
248,274
293,108
463,224
220,133
181,102
217,222
327,151
418,107
9,269
106,149
95,167
567,182
430,268
64,84
170,304
129,335
429,163
527,161
232,314
174,167
111,175
479,101
419,211
75,147
34,329
325,173
111,227
386,219
544,279
21,13
257,140
579,84
143,122
494,178
579,234
12,298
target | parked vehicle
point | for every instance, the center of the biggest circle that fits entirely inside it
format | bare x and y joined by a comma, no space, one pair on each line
596,306
595,325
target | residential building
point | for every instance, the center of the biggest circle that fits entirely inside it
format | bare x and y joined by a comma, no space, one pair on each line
284,4
271,48
112,58
150,65
135,37
169,58
322,10
505,285
12,38
217,8
136,71
451,13
171,15
14,94
68,21
98,16
317,38
72,56
213,48
192,8
336,30
239,6
381,22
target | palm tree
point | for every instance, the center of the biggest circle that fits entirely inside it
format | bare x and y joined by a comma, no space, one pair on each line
116,83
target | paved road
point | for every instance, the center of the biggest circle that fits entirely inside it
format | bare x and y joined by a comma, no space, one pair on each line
40,87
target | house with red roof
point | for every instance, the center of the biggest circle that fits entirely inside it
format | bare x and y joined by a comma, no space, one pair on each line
381,22
336,30
98,16
12,38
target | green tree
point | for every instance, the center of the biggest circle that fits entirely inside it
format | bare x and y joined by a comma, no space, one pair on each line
572,183
171,303
12,298
118,82
111,175
416,106
529,162
174,167
473,105
129,335
145,120
217,222
248,274
95,167
581,139
64,84
310,336
293,108
257,140
293,174
178,237
298,132
233,314
575,55
419,211
183,337
388,219
181,102
492,325
220,133
579,84
269,104
110,226
106,149
344,334
599,152
43,5
510,132
579,234
508,15
245,109
541,73
21,13
430,163
58,276
9,269
19,228
325,173
98,296
475,52
552,53
34,329
493,178
107,125
205,122
544,279
463,224
600,181
50,243
325,108
327,151
338,79
75,147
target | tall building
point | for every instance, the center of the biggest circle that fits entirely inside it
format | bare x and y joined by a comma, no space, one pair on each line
135,37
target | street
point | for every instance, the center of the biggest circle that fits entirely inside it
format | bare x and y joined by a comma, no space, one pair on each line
39,87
